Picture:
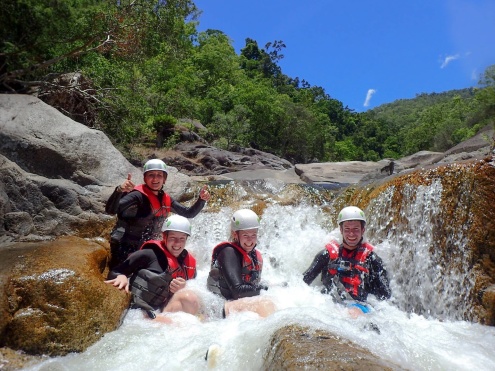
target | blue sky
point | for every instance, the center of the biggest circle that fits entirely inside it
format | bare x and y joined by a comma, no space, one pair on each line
367,53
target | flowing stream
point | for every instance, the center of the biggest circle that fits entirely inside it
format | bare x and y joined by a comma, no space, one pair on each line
420,327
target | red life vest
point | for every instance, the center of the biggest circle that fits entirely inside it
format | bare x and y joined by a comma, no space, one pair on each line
157,208
248,265
349,268
186,270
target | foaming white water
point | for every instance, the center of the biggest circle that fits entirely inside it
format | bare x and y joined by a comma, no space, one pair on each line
290,236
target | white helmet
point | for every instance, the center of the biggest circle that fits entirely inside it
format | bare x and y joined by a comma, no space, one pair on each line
155,164
177,223
245,219
351,213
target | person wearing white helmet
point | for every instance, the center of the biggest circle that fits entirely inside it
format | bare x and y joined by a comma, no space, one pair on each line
142,209
236,267
352,270
157,274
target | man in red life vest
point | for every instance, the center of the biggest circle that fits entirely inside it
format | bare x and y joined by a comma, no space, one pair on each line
352,270
236,267
142,209
156,274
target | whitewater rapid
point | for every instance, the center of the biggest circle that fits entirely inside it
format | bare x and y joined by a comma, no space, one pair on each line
289,238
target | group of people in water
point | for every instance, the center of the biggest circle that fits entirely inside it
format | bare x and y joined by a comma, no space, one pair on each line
149,259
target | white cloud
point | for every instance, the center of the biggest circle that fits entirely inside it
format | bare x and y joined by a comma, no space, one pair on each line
449,59
475,75
368,97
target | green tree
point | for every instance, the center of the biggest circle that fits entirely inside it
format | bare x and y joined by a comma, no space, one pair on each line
486,95
232,127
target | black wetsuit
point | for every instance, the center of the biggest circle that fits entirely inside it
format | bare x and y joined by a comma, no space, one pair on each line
229,276
375,282
151,259
136,224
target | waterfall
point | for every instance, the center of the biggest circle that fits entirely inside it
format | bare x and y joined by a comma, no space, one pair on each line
425,281
421,325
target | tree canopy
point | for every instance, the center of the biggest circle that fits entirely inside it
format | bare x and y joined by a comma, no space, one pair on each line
145,64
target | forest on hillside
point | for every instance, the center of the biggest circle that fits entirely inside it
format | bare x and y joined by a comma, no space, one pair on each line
142,67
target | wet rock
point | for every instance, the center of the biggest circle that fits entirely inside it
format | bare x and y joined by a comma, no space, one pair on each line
55,299
301,348
20,223
11,360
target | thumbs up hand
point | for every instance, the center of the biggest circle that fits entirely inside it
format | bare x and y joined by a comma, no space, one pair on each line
128,185
204,194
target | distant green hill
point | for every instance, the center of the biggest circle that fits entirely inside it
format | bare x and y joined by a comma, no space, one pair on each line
407,110
434,122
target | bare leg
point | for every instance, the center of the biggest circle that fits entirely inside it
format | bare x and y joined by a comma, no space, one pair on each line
163,319
183,301
260,305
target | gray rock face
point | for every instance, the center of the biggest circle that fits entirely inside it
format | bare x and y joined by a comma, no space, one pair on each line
35,207
42,141
337,174
201,159
19,222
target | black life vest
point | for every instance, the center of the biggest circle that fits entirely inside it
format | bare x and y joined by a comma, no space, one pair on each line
350,269
151,289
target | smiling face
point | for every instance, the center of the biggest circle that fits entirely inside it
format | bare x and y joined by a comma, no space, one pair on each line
352,232
155,179
247,239
175,242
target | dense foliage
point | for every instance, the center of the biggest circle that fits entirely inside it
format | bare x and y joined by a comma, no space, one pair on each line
147,67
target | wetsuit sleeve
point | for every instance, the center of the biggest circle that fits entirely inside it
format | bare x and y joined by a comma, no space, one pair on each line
319,263
230,268
141,259
112,205
378,283
130,204
188,212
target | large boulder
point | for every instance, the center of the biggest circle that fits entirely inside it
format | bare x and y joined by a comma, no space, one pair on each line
301,348
55,300
484,138
43,141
